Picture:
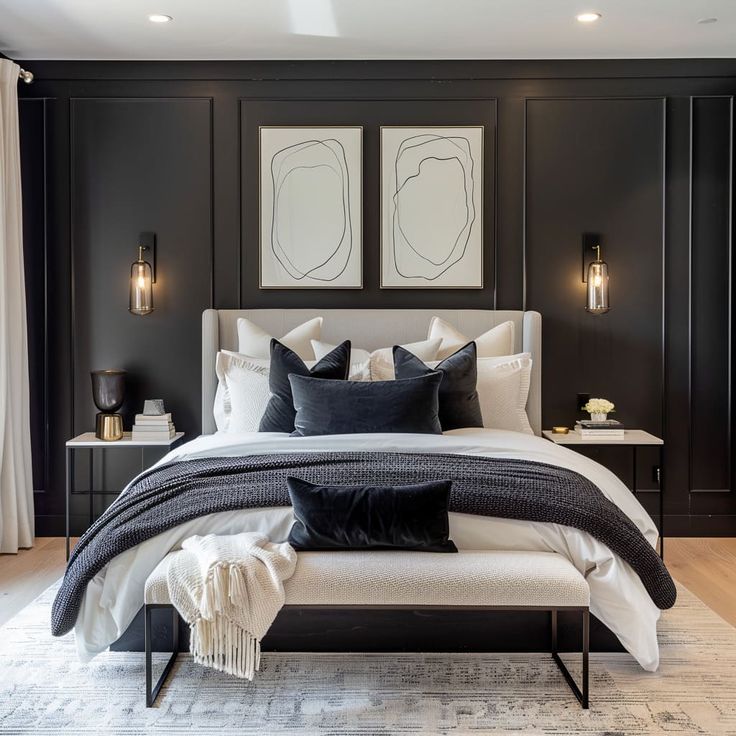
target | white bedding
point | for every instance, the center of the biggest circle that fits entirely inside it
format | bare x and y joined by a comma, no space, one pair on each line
618,597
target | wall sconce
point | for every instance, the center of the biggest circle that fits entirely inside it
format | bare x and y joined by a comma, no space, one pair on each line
597,299
142,278
596,277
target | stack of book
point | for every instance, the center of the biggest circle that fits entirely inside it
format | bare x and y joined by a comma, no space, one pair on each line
609,429
151,427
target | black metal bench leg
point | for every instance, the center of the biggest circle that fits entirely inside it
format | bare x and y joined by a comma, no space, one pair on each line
582,696
152,694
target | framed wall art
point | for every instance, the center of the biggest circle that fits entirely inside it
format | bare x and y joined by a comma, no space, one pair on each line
432,207
311,207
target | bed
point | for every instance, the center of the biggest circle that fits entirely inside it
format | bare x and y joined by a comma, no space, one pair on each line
619,599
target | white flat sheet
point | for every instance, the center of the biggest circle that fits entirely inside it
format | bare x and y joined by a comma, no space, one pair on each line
618,597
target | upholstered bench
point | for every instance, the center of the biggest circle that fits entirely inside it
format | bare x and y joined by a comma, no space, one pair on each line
417,580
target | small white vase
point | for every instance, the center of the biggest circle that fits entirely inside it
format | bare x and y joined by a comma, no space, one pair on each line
598,416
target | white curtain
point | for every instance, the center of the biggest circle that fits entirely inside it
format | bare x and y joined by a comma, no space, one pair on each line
16,484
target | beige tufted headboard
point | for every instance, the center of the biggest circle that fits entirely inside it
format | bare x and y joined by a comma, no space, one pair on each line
369,329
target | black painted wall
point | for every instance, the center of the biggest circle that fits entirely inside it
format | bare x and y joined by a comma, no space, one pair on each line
639,152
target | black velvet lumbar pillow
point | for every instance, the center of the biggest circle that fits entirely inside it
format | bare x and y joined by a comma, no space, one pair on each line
279,414
351,407
413,517
458,397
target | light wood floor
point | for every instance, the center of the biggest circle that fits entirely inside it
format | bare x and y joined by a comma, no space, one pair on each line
707,567
26,575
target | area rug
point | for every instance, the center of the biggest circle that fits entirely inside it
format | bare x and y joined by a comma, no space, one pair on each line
45,690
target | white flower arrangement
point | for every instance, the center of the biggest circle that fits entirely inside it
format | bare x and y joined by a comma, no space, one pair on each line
599,406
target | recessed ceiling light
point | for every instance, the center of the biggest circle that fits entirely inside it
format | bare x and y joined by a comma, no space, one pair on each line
159,18
706,21
587,17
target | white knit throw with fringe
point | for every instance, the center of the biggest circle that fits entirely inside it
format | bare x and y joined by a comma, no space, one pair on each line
229,590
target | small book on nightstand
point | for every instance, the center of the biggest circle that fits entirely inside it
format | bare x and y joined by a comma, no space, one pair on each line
608,429
149,427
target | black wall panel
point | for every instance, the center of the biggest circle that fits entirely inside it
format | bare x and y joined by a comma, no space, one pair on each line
139,165
711,382
597,166
639,152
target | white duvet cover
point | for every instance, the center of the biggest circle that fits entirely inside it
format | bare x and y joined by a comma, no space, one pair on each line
618,597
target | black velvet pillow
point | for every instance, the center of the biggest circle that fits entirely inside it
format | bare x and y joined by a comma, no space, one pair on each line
279,414
350,407
371,517
458,397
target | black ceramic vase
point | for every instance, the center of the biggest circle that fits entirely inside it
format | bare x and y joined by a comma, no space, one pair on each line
108,392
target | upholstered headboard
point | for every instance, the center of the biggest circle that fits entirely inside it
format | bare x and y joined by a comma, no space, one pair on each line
369,329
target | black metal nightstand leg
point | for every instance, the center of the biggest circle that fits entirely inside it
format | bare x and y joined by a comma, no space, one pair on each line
634,470
660,484
69,474
91,486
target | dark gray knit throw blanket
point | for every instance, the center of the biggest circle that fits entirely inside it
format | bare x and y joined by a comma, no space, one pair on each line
513,489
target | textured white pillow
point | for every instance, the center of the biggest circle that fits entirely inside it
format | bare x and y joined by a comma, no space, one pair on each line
256,343
242,392
379,365
497,341
503,389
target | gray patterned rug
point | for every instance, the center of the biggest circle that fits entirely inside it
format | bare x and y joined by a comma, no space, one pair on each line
45,690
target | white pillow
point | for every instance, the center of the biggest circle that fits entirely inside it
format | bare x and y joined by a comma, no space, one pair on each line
379,365
242,392
256,343
499,340
382,361
360,360
503,389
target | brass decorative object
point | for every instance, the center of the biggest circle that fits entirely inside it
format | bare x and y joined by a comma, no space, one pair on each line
109,427
108,392
560,430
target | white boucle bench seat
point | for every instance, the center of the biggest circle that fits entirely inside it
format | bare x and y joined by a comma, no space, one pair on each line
468,578
371,579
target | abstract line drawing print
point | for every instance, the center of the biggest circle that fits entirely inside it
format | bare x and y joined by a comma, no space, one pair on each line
312,225
433,207
327,154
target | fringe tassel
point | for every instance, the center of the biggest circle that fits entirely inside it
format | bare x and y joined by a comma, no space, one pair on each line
216,641
224,584
238,592
221,645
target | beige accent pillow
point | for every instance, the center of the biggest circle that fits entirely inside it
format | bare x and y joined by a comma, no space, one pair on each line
497,341
255,342
378,365
503,389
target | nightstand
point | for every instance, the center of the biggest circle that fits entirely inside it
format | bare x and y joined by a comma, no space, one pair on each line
88,441
633,439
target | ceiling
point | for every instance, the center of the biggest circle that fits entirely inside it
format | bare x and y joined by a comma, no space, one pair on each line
366,29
